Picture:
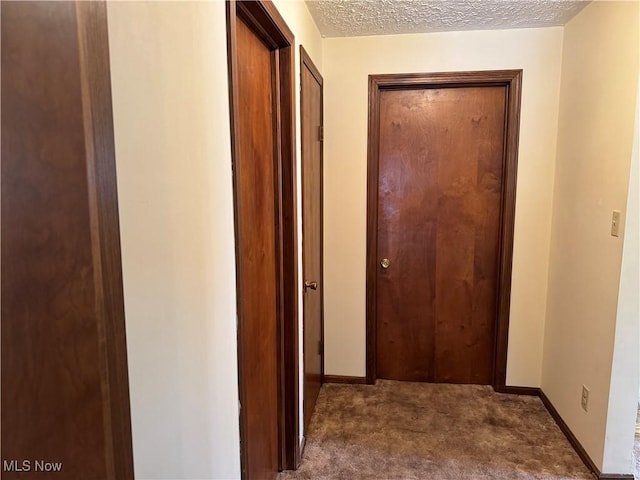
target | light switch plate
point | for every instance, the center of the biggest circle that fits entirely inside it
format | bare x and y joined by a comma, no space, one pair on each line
584,400
615,223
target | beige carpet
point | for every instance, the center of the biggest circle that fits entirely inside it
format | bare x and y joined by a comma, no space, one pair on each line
401,430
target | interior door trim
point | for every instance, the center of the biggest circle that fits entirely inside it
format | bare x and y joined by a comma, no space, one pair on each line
512,80
105,235
263,17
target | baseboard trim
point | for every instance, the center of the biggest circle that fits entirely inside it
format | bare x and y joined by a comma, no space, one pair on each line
530,391
344,379
575,443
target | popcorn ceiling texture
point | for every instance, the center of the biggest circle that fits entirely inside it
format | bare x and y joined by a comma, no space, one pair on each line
347,18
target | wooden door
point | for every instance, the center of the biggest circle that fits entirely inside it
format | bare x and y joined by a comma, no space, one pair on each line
438,237
311,125
257,254
261,75
441,183
65,401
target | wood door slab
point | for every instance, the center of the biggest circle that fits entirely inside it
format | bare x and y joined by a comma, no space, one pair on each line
257,255
439,202
311,127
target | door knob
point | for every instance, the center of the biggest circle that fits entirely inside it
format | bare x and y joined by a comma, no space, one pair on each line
310,286
385,263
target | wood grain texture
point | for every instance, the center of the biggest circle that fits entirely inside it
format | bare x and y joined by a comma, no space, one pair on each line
514,87
407,213
311,124
509,81
261,19
439,196
257,253
289,368
372,230
103,201
64,373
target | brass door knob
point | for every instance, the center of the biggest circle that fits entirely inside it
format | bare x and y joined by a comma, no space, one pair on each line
385,263
310,286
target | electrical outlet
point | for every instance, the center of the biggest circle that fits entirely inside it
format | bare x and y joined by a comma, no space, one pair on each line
584,401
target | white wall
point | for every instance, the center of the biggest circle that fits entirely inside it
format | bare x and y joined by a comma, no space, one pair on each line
170,101
595,138
625,375
347,62
171,115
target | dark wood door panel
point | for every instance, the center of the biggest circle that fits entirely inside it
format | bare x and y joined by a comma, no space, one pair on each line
406,211
261,87
311,125
439,203
64,380
257,256
470,181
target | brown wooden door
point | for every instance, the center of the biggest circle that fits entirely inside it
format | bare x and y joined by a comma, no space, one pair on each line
440,186
261,75
311,121
65,403
257,253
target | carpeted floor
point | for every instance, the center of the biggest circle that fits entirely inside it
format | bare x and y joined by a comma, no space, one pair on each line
401,430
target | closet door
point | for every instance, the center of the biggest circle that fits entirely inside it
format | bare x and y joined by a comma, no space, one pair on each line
65,400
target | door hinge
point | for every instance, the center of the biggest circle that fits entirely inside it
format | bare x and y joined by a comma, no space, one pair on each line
320,347
321,133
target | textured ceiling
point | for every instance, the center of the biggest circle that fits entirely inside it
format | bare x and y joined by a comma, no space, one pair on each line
346,18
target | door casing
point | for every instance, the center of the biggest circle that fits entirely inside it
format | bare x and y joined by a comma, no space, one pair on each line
263,17
512,81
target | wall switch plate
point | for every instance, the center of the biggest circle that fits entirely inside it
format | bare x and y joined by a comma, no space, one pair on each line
584,401
615,223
